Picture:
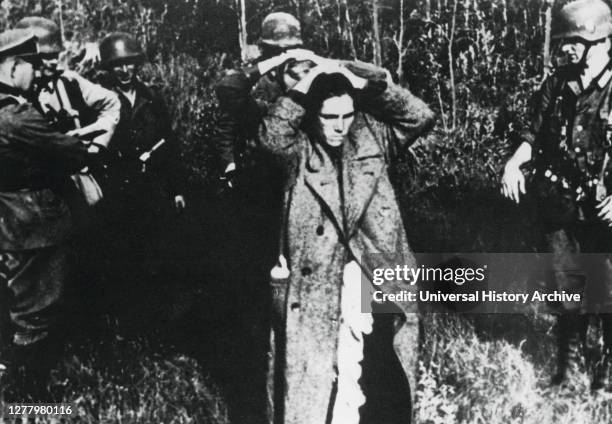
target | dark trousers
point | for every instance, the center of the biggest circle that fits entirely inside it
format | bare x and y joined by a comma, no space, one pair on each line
32,284
582,263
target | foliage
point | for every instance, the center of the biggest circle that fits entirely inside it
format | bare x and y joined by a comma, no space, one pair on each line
188,85
466,379
131,382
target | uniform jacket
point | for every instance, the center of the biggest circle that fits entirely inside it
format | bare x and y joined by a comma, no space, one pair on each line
141,127
562,101
244,97
322,235
92,103
35,163
568,133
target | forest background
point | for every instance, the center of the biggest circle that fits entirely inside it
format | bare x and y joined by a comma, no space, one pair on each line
476,63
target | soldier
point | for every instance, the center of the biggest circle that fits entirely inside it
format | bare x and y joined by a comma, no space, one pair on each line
86,110
35,260
280,45
252,193
145,178
570,140
77,105
334,132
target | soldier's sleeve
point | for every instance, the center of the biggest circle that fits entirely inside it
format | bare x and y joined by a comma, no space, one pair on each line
279,132
224,136
234,94
62,152
105,102
407,116
539,104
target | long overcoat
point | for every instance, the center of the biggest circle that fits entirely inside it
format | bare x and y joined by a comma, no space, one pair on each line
320,238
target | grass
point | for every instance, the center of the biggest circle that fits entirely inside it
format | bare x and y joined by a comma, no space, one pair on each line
134,382
469,374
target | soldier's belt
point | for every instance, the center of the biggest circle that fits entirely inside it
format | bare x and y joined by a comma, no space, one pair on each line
580,190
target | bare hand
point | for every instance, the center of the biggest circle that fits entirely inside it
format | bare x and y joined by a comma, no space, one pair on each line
513,182
606,210
179,202
357,82
93,149
302,55
91,57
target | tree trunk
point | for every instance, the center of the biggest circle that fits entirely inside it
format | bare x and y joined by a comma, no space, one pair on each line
376,34
399,44
242,30
320,15
451,66
349,29
61,20
546,49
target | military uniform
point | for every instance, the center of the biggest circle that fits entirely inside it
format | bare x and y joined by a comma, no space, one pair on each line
139,193
571,136
35,162
35,226
251,208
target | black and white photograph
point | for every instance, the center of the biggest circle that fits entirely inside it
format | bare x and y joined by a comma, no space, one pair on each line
306,211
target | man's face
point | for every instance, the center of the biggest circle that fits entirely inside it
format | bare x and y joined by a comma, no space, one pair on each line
573,49
124,74
49,64
335,117
23,74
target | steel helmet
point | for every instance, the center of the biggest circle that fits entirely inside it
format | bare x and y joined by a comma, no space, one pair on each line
119,48
18,42
590,20
280,29
47,32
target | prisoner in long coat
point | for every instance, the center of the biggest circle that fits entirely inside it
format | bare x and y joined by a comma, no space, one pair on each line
330,221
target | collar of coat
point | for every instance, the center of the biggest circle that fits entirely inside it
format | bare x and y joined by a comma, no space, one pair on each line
144,94
363,162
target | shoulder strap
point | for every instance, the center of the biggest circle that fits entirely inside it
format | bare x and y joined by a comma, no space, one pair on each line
7,101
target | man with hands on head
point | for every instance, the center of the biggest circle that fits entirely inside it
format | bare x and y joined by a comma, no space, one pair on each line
335,134
570,143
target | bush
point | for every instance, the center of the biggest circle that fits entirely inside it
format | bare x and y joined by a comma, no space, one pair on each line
465,379
188,87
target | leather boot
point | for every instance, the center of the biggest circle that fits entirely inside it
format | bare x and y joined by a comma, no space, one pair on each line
603,366
571,341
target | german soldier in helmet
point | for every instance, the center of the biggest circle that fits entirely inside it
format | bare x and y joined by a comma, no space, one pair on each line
251,190
570,142
145,177
76,104
81,108
36,162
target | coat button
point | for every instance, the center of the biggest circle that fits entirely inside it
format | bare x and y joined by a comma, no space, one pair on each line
306,271
295,306
320,230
